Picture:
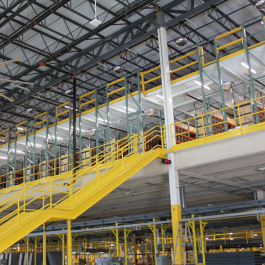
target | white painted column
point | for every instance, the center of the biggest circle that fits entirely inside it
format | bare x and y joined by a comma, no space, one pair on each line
169,119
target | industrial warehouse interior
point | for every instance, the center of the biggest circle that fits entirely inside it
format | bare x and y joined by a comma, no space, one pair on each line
132,132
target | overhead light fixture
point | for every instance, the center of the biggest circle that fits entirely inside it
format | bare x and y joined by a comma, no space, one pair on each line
246,66
20,152
3,157
150,112
15,81
207,237
20,128
67,107
210,204
231,233
130,109
232,239
207,87
91,132
69,92
199,83
260,5
95,22
118,69
10,61
227,85
181,41
30,111
159,96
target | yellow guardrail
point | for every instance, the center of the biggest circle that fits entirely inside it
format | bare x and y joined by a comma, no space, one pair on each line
148,80
63,164
65,185
241,119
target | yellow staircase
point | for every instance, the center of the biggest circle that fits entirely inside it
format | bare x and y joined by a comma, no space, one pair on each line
66,196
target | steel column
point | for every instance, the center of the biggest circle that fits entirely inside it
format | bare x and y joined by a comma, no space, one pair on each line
74,123
169,120
44,244
47,145
126,234
69,242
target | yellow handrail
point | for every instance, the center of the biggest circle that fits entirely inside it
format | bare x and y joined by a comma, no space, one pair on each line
69,184
209,121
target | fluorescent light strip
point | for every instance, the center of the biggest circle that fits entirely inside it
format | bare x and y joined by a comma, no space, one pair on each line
67,107
78,129
130,109
199,83
99,119
53,137
246,66
207,87
159,96
49,137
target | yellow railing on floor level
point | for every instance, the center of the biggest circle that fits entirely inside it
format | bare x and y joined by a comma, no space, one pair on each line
213,124
153,80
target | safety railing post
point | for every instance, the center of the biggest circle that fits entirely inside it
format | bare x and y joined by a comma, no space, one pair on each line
239,117
122,150
50,191
24,208
18,206
203,129
117,150
43,198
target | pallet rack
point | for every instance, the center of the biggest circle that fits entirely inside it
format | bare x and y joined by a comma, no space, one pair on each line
184,134
219,128
151,141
